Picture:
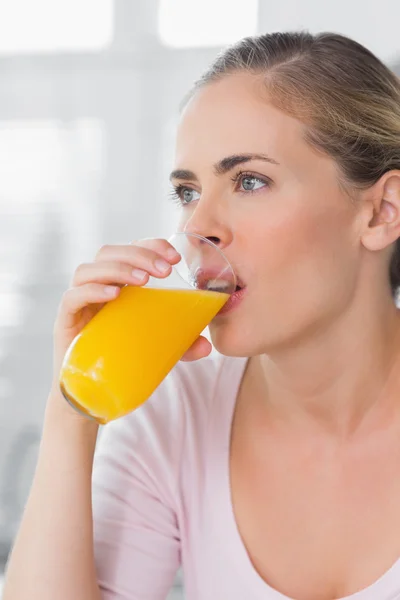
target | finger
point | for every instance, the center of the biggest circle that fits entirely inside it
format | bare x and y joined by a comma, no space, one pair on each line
77,298
109,272
146,252
138,257
161,246
199,349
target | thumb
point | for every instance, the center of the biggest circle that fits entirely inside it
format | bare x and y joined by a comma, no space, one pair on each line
199,349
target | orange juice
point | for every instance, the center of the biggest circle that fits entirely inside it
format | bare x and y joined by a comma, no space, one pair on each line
127,349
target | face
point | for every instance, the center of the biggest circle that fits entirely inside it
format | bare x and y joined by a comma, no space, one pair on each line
281,218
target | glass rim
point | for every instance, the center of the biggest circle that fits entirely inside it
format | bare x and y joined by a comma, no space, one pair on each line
204,239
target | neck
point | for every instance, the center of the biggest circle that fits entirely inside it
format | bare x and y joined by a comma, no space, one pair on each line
335,378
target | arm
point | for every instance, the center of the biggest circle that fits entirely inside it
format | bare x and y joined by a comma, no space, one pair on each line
53,555
136,501
136,549
53,552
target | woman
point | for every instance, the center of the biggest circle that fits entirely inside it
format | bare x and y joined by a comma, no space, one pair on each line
273,471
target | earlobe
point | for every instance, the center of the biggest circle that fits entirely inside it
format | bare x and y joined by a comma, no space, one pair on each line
384,227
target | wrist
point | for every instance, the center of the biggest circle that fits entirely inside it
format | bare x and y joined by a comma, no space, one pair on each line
59,410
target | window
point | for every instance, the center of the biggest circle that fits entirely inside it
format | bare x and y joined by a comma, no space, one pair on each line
194,23
28,26
51,175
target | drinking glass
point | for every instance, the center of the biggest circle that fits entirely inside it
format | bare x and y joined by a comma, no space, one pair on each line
122,355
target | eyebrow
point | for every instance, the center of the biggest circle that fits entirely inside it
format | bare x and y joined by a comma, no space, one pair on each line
224,165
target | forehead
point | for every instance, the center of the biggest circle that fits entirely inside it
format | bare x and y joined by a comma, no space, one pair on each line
235,115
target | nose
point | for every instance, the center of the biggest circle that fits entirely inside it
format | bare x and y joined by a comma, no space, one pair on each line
208,221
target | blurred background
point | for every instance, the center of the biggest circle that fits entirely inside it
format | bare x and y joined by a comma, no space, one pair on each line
89,94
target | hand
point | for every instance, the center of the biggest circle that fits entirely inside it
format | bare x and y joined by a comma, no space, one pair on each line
94,284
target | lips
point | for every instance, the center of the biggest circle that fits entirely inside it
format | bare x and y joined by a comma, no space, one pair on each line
240,284
234,300
216,281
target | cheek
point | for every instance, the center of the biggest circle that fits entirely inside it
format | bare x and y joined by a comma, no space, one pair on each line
301,247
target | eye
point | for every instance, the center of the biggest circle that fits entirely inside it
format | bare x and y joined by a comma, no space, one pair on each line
184,195
251,183
248,182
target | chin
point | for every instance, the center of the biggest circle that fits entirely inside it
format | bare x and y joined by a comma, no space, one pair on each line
244,337
229,339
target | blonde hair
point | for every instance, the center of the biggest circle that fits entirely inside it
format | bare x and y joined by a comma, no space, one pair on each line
347,98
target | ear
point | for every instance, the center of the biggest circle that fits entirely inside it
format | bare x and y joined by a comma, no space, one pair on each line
383,212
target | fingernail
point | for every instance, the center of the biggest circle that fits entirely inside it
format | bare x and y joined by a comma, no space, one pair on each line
162,265
111,290
138,274
172,253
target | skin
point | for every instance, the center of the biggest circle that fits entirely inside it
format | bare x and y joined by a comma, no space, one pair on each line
315,452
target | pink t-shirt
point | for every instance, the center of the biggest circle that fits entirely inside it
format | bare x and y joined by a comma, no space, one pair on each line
161,496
